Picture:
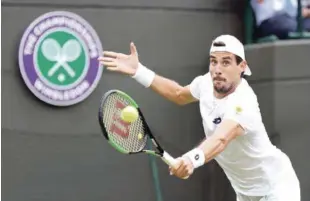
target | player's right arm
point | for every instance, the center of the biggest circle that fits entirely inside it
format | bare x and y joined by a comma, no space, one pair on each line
172,91
130,65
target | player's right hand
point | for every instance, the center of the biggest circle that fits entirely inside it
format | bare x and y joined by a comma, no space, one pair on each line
183,168
118,62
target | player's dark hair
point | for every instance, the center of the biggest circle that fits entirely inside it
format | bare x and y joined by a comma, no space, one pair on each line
219,44
238,59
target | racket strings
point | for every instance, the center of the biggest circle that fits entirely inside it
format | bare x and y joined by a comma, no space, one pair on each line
125,135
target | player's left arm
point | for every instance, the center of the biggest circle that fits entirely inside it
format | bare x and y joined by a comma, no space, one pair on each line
236,121
227,131
208,149
239,118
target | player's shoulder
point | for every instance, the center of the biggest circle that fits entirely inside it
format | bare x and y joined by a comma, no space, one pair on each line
244,94
205,80
200,85
202,82
203,77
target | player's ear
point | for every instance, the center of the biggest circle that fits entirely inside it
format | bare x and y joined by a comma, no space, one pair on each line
243,65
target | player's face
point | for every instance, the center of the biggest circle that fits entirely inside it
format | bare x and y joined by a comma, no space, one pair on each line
225,71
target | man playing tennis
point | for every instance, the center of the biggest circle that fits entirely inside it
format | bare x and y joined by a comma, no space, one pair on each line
235,134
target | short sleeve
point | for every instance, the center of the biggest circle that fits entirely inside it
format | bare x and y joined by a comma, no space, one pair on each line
244,111
195,85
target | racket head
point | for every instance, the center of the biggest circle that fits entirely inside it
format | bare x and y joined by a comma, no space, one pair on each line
71,50
125,137
51,49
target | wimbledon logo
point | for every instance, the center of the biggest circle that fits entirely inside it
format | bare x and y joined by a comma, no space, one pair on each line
58,58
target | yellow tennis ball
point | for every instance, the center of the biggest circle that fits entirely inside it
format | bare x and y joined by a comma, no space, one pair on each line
140,136
129,114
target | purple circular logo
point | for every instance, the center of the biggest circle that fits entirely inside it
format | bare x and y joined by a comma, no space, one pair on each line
58,58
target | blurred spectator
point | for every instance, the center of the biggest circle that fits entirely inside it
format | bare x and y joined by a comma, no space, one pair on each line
279,17
306,14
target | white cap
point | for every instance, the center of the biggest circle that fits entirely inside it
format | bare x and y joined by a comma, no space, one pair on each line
232,45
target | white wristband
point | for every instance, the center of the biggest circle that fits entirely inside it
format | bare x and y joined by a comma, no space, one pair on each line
144,76
196,156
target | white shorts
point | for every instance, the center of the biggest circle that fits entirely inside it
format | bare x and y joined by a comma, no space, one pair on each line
286,189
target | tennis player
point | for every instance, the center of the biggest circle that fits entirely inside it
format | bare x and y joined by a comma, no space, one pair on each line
235,134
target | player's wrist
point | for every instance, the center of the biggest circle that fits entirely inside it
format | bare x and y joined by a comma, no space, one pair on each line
196,156
144,76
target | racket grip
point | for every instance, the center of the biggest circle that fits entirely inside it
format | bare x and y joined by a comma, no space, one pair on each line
168,159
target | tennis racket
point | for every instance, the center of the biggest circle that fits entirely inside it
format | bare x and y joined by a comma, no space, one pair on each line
128,138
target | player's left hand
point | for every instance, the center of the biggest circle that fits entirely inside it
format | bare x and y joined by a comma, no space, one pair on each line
183,169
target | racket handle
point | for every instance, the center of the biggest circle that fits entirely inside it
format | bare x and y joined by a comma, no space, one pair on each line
169,160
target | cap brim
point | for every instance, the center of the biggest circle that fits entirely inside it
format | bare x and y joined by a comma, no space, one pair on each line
247,71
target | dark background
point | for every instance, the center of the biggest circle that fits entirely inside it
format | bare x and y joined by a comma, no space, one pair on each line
51,153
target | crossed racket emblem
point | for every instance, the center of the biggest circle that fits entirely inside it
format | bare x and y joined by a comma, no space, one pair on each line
69,52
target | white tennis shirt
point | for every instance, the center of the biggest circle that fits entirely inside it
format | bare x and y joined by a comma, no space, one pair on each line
251,162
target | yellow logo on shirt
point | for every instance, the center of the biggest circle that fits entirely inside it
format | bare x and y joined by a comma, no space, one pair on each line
238,109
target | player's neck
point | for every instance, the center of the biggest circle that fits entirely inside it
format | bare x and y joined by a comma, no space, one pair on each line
223,95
